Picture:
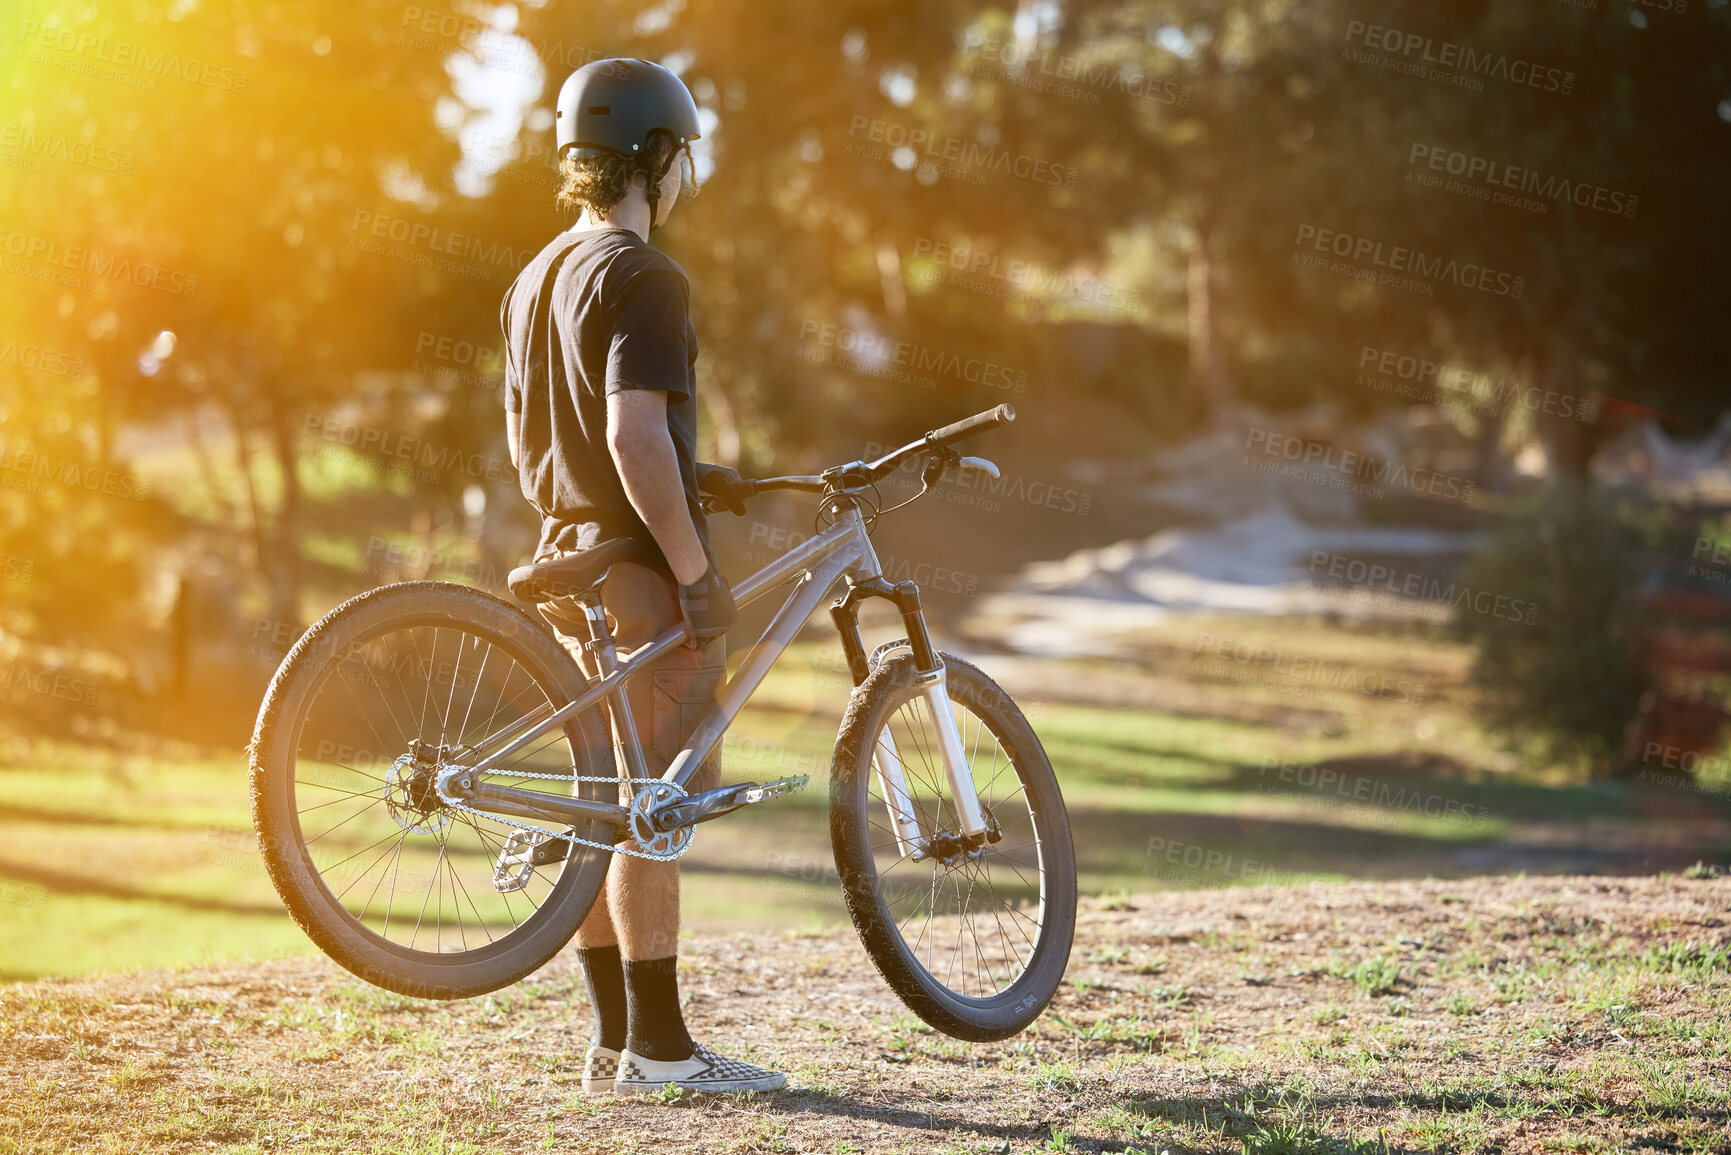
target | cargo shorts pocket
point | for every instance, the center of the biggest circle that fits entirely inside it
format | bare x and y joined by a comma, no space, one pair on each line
681,699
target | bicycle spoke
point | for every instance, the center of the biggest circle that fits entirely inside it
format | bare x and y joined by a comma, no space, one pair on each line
961,918
405,862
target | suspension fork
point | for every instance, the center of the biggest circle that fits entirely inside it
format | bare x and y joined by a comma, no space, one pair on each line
975,830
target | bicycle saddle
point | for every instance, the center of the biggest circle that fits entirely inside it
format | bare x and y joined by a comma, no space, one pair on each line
576,573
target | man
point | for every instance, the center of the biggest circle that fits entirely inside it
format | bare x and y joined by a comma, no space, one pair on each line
601,416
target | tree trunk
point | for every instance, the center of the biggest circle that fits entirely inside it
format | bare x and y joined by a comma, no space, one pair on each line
285,565
1487,445
1207,374
255,530
201,456
890,276
1570,443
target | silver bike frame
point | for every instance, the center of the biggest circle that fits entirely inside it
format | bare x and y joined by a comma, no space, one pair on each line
841,550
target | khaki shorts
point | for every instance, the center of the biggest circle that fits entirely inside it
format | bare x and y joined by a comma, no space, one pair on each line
669,697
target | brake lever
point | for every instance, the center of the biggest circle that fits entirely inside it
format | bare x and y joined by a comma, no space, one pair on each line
944,459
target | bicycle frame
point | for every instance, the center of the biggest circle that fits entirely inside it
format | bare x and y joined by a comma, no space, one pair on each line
842,550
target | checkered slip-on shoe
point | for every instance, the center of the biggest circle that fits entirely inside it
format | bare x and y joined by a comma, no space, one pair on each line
704,1071
600,1066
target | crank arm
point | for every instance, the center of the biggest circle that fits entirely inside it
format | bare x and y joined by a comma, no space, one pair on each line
722,800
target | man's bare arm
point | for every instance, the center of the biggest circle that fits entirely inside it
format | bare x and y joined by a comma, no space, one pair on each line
642,448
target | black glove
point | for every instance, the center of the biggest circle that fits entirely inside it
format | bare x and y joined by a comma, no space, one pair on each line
707,604
724,482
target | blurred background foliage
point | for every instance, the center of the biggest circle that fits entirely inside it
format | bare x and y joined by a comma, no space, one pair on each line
303,403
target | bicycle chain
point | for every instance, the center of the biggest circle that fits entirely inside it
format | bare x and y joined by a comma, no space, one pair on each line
613,847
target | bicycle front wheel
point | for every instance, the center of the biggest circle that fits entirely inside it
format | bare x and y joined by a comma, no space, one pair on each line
385,875
975,941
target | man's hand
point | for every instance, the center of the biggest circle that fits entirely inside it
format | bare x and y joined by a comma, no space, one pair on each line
724,482
707,604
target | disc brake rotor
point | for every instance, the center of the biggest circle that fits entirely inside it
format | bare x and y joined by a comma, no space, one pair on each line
411,798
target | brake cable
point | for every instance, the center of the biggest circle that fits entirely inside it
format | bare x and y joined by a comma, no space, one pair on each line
943,458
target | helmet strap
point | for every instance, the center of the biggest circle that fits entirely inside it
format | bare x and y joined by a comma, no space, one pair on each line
653,191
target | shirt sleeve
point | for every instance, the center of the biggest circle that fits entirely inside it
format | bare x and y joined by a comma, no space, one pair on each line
648,347
513,387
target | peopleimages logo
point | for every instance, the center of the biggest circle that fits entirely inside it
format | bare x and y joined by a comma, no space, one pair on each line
1375,577
956,155
49,259
22,678
1042,71
34,147
1319,672
966,267
422,454
123,56
1421,379
28,356
34,472
1397,259
436,242
460,360
1316,781
1447,61
1353,463
871,350
1478,171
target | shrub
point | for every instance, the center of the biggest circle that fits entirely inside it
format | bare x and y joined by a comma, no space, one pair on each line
1563,675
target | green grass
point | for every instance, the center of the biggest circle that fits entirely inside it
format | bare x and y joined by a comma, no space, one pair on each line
113,860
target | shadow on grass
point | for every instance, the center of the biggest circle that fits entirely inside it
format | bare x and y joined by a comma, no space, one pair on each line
63,885
22,815
1224,1117
1185,850
1244,1115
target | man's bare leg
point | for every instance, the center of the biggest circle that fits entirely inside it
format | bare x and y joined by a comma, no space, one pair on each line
629,941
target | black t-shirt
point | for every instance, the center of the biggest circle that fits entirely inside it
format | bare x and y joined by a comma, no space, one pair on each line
596,312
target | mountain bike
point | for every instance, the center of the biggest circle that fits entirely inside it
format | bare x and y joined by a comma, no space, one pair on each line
436,784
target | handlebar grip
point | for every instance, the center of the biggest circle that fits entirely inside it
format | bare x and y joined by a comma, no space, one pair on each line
968,426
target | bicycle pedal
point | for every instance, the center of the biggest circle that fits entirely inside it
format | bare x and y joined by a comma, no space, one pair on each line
773,789
523,851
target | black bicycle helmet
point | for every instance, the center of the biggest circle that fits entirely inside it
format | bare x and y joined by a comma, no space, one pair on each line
617,105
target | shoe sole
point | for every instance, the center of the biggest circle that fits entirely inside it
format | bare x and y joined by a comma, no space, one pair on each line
644,1087
597,1086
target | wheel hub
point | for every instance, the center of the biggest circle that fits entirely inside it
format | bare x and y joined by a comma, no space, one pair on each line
951,846
411,790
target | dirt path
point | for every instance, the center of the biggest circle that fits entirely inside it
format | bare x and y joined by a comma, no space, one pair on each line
1497,1014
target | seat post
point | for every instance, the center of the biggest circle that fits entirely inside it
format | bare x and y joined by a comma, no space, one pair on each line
600,641
606,658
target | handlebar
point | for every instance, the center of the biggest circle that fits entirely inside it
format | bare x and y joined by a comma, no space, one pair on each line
805,482
890,462
968,426
940,438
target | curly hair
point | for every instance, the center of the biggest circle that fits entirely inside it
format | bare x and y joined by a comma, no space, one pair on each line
600,182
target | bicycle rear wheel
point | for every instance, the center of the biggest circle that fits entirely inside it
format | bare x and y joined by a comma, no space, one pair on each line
975,943
385,876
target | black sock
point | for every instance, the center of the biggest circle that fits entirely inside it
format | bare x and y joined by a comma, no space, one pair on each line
605,975
655,1028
